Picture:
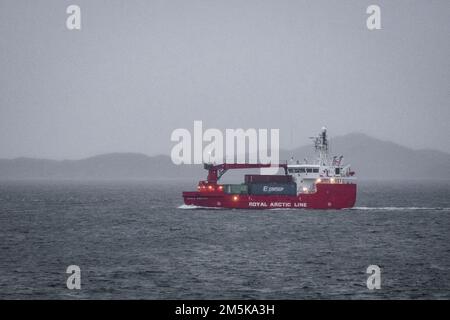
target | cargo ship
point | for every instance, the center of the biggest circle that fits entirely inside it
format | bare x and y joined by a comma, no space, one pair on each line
325,183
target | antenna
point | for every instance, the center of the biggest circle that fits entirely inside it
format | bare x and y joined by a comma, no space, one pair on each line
321,146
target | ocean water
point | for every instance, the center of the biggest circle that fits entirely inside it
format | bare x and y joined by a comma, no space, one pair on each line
134,240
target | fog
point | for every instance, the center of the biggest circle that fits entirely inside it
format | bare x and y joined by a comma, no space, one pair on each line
137,70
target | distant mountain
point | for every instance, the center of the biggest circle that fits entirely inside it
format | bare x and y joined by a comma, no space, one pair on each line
376,159
370,158
120,166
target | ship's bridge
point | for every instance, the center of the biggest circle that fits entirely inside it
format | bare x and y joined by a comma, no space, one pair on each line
304,169
308,175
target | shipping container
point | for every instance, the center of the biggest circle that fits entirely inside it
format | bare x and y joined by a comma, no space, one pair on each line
235,188
273,188
259,178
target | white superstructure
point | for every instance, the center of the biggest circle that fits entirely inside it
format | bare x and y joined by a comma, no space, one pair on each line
322,170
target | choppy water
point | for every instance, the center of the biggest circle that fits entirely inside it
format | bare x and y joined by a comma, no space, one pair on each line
131,240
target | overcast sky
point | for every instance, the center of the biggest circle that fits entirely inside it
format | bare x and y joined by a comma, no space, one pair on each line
137,70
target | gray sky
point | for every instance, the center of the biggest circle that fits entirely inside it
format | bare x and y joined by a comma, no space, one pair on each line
139,69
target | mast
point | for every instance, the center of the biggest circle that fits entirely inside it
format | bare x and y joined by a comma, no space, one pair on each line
321,146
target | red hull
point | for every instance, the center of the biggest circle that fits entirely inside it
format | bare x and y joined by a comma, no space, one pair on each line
327,196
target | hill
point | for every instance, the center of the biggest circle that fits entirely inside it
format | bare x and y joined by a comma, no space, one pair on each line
371,158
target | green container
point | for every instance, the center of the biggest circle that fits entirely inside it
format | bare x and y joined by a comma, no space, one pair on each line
236,189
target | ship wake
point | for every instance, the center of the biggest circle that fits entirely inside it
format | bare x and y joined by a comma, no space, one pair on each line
193,207
401,208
